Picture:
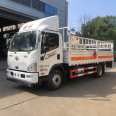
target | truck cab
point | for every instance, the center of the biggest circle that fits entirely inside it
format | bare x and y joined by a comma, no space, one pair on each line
34,51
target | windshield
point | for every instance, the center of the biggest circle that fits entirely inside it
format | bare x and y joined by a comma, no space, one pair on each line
24,41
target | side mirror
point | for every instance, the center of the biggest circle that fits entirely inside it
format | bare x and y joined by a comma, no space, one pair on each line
45,48
8,42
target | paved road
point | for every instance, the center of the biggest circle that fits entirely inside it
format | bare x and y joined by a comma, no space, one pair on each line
82,97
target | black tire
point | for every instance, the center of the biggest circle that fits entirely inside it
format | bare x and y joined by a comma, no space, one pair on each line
100,70
55,79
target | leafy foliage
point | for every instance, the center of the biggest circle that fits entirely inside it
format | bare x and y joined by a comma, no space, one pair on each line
102,28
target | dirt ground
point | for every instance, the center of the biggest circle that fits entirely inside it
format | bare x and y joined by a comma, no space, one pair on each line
82,97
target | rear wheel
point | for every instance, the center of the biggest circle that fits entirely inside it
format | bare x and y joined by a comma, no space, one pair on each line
100,70
55,79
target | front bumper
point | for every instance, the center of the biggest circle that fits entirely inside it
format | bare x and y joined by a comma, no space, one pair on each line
24,77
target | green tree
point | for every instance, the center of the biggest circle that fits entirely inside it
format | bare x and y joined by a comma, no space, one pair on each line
102,28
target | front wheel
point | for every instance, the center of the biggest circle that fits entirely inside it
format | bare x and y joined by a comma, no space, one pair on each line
55,79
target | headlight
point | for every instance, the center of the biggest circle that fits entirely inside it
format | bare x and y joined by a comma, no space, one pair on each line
32,68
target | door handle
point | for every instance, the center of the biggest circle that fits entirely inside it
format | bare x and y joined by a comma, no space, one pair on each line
58,56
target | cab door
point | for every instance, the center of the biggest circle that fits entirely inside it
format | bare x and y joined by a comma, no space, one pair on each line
51,52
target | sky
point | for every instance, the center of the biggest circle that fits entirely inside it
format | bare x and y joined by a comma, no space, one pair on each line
78,9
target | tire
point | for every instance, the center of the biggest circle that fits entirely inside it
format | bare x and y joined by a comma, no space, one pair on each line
55,79
100,70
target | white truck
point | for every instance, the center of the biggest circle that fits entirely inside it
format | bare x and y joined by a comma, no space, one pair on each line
38,53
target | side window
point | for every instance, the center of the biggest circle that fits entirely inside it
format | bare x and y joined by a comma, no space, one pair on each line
50,41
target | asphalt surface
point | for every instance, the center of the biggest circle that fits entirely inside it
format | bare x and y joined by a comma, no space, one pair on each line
86,96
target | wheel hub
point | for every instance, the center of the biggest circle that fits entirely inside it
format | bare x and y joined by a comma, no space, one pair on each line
56,80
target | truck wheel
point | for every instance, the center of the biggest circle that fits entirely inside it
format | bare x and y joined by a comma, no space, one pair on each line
55,79
100,70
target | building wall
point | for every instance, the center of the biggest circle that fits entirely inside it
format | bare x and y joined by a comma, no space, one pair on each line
62,6
29,8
